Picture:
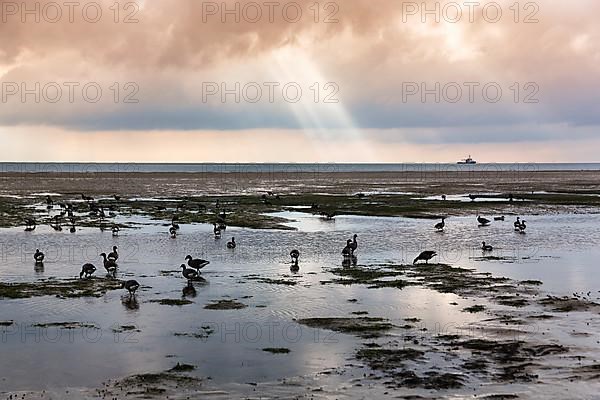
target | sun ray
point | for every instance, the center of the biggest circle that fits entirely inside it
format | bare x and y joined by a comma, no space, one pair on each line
320,120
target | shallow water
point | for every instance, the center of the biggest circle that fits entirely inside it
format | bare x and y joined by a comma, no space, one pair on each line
560,250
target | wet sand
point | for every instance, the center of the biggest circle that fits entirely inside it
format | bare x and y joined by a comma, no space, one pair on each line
409,194
428,183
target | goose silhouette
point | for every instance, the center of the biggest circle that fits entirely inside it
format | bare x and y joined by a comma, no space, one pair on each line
216,230
197,263
425,256
109,265
188,273
113,256
483,221
295,254
38,256
440,225
87,271
174,224
354,244
131,286
30,225
232,244
522,227
347,251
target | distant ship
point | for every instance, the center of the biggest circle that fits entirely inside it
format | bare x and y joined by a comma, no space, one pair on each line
467,160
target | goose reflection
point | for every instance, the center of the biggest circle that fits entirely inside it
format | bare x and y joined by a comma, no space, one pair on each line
189,291
350,261
130,302
39,268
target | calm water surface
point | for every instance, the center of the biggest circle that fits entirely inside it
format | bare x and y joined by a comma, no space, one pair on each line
288,167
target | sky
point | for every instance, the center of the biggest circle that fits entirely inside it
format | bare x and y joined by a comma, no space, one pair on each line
299,81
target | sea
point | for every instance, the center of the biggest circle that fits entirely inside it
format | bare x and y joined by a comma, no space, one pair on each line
79,167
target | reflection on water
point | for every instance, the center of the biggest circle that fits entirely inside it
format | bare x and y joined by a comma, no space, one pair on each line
189,290
130,302
350,261
39,268
560,250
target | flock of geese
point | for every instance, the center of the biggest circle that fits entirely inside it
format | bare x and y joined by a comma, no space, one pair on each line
519,225
217,229
67,211
191,269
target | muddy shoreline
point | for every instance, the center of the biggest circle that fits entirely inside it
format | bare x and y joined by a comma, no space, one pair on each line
250,197
448,182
